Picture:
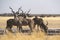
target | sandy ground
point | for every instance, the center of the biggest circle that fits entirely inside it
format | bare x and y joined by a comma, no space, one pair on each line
53,22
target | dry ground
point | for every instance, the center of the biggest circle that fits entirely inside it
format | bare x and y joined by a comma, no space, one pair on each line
53,22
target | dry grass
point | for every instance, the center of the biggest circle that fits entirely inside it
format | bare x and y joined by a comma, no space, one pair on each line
53,22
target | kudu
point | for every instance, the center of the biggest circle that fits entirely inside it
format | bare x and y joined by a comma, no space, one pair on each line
26,21
39,22
15,21
15,13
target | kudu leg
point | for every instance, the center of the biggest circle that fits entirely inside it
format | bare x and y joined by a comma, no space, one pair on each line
34,26
30,26
20,28
37,28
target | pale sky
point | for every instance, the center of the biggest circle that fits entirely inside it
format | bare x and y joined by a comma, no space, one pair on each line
36,6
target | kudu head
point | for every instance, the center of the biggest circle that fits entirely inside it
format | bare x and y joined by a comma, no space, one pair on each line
15,13
23,14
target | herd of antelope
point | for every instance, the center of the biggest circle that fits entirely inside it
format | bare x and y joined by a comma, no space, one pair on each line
21,20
